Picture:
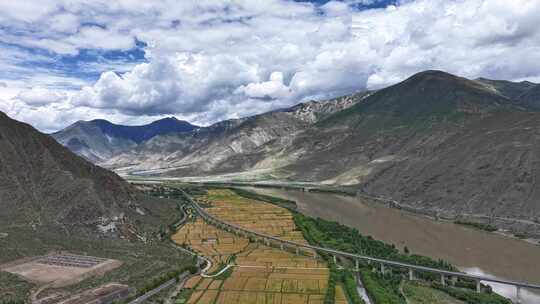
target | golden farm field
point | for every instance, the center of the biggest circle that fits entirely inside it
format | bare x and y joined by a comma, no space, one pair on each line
261,274
263,285
215,244
252,214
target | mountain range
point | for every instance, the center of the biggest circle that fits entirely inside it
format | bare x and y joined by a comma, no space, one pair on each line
98,140
435,141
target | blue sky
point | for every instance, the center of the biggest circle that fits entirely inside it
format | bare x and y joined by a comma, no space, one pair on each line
133,62
88,64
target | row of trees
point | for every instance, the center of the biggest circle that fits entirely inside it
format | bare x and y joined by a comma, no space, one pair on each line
384,288
334,235
346,279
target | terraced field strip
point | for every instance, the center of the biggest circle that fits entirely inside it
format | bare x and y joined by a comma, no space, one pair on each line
264,274
216,245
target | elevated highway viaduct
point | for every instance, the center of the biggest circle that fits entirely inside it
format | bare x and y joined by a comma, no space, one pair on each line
297,247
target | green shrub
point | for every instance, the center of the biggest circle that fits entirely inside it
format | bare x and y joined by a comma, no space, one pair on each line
349,281
485,227
333,278
472,297
337,236
382,289
157,281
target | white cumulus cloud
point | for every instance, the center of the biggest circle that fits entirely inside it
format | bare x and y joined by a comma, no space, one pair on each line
213,60
272,89
39,96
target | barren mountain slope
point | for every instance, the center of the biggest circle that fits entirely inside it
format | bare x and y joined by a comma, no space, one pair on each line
98,140
435,141
229,146
43,183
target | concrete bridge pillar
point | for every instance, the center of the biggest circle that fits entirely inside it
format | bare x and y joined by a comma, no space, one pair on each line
335,259
281,246
383,269
478,286
411,274
454,280
356,265
518,294
297,250
443,281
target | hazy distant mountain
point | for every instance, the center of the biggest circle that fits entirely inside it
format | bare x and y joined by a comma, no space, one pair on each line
232,145
42,183
98,140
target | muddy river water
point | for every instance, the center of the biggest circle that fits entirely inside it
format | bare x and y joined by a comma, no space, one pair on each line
471,250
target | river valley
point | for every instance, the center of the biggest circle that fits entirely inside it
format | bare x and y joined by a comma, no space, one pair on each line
473,251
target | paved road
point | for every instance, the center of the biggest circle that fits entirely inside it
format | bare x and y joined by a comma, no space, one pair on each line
153,292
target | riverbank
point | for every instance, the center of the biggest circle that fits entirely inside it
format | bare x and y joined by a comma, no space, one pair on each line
383,286
523,229
465,247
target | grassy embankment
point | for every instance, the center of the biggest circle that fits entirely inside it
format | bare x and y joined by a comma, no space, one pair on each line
419,293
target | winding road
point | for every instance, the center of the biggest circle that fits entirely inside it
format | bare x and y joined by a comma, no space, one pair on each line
153,292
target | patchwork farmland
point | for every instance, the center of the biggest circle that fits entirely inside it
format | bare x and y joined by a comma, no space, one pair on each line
261,274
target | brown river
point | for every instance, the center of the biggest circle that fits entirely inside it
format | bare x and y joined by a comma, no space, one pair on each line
471,250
